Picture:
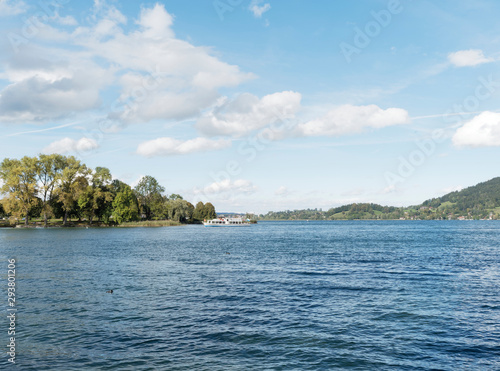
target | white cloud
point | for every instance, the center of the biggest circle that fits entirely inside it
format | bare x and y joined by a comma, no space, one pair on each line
282,191
160,76
169,146
39,95
166,78
471,57
247,113
65,21
389,189
12,7
257,9
482,131
156,23
68,145
349,119
226,186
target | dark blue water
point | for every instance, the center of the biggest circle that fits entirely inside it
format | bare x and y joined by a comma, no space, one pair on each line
274,296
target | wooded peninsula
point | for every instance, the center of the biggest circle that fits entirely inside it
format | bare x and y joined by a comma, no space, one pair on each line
62,191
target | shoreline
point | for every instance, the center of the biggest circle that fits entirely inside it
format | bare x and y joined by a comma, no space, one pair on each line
141,224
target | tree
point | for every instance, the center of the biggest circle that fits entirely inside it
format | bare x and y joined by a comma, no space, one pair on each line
19,182
209,211
117,186
198,213
125,207
149,194
95,199
71,183
48,170
175,196
179,210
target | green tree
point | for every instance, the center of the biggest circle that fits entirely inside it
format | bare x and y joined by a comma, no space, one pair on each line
117,186
198,213
175,196
19,183
48,169
71,184
95,200
179,210
125,206
209,211
149,194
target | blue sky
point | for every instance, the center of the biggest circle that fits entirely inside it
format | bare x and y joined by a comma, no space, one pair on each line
259,105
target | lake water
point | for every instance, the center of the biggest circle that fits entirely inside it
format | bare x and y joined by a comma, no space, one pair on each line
273,296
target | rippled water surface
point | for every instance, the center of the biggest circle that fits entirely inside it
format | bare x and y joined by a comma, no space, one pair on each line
274,296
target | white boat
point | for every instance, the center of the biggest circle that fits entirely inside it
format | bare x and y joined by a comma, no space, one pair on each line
226,222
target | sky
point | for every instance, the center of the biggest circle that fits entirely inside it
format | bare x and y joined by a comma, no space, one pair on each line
259,105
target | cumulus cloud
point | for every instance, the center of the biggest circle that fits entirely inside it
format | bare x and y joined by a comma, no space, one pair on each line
282,191
465,58
156,23
68,145
12,7
226,186
257,9
159,76
349,119
57,92
169,146
247,113
482,131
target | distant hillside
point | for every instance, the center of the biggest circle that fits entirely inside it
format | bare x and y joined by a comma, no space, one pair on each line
481,201
483,196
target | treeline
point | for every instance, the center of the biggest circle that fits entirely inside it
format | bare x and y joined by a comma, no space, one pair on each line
481,201
56,186
346,212
476,199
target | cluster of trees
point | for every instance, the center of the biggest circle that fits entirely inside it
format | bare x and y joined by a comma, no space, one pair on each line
346,212
475,200
62,187
478,202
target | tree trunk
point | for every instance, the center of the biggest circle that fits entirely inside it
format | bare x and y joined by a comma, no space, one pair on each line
26,220
65,218
45,219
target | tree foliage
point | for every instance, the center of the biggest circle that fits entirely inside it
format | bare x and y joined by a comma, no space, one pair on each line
125,206
149,194
60,186
477,202
204,211
19,179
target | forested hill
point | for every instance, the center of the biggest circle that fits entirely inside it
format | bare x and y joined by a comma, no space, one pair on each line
479,197
481,201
